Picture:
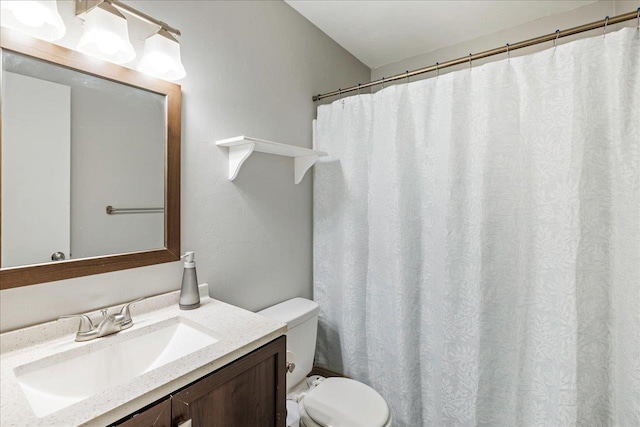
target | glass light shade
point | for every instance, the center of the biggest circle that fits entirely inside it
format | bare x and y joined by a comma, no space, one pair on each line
161,57
106,35
36,18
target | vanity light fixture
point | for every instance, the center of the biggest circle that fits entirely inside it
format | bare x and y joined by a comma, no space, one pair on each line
36,18
161,57
106,35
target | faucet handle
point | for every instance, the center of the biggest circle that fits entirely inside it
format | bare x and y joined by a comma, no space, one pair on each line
86,325
124,311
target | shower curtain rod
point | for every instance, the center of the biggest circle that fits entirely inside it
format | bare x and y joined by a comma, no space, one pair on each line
487,53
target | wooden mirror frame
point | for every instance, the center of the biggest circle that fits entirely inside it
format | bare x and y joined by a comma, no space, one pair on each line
13,277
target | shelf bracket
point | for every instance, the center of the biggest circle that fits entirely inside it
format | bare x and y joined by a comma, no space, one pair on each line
301,166
237,155
241,147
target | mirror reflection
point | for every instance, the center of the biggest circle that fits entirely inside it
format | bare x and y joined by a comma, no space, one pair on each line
73,145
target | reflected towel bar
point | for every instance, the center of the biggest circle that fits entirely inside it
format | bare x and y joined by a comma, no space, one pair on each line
115,211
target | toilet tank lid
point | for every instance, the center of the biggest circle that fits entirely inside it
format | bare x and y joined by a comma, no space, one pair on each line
292,312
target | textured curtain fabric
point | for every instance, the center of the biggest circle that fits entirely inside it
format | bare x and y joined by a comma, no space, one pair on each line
477,240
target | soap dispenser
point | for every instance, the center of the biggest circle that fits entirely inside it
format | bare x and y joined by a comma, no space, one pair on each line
189,294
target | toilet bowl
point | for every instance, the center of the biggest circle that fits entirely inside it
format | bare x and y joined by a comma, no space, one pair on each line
334,402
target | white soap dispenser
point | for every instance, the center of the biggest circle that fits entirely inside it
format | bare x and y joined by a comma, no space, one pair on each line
189,295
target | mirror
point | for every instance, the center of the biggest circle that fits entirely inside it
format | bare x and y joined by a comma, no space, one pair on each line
72,145
89,166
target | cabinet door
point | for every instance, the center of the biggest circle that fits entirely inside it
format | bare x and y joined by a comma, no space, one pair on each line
248,392
158,415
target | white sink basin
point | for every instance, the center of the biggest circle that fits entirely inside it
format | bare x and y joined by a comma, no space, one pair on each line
61,380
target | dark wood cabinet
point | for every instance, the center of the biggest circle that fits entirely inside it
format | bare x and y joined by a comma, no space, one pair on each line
157,415
250,391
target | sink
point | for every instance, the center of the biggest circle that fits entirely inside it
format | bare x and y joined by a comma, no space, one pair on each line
61,380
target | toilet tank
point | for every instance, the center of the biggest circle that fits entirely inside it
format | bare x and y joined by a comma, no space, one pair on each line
301,317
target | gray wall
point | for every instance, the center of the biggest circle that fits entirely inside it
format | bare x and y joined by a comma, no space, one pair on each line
589,13
251,69
117,159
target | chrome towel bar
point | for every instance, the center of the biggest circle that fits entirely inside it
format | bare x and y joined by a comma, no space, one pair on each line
115,211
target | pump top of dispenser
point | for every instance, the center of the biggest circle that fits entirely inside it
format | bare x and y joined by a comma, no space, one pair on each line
189,259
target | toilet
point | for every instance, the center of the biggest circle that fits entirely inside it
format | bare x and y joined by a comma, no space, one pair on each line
333,402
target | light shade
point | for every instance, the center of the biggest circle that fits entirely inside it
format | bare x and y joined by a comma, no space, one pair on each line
36,18
161,57
106,35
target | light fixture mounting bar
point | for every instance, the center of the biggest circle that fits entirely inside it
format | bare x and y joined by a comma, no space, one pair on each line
84,6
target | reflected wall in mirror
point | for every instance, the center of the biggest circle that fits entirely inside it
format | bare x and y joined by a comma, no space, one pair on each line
89,166
72,145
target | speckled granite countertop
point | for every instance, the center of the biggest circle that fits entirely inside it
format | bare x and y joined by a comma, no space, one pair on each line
238,332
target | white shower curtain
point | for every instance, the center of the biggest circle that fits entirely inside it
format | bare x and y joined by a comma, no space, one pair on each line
477,240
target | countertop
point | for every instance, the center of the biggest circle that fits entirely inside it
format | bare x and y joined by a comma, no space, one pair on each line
238,332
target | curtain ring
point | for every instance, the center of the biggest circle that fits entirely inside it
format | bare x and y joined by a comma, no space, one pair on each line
556,39
383,83
407,76
606,21
469,61
638,18
508,53
437,69
359,84
339,94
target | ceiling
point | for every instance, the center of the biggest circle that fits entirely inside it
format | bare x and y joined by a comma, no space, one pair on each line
379,32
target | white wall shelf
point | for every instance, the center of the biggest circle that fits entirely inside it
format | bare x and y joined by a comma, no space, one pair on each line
241,147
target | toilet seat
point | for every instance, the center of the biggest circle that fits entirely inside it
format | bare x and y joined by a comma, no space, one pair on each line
342,402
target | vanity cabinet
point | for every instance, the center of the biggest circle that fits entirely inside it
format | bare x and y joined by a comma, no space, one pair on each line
250,391
158,415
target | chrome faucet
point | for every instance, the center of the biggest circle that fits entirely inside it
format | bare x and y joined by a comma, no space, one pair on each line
110,323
